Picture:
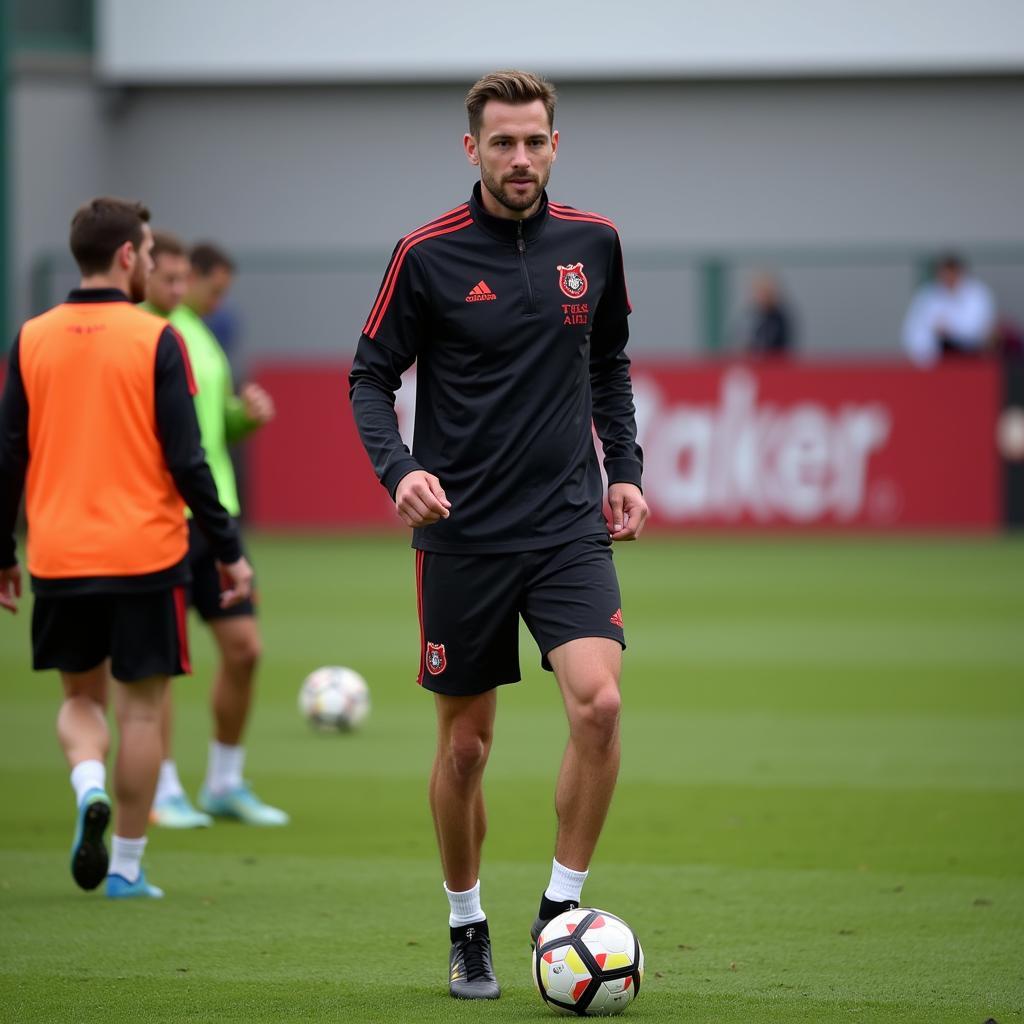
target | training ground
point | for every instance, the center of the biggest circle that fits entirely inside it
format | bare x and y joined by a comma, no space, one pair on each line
820,815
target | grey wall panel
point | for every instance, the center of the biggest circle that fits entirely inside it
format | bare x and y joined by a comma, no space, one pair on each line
59,159
679,166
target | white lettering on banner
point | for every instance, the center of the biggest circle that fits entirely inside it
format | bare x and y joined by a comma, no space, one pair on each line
742,457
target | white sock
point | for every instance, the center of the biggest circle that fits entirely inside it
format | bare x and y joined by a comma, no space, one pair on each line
88,775
565,883
126,857
465,906
224,770
168,784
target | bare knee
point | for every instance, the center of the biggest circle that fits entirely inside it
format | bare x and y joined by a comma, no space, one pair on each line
141,703
595,720
242,653
466,752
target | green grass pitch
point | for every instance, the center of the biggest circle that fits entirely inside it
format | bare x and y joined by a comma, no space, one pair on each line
820,815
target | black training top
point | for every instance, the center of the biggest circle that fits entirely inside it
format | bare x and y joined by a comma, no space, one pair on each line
518,329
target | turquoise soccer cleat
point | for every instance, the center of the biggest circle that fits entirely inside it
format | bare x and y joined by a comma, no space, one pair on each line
119,888
241,804
178,812
89,858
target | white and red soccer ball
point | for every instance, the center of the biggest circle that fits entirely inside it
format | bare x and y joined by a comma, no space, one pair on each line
589,963
334,699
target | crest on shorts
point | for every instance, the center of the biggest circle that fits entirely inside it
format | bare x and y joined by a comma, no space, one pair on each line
436,660
572,280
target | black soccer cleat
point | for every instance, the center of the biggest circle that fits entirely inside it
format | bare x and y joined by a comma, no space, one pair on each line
470,973
88,851
549,909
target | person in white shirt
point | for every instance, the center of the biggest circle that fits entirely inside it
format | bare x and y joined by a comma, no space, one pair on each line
953,315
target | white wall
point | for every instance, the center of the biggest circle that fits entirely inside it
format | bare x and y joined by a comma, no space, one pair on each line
402,40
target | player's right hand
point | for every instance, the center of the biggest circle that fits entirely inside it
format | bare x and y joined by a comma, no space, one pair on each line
10,588
420,499
235,582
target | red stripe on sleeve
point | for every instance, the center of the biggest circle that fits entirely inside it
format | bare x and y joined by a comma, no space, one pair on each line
584,218
446,218
570,214
373,324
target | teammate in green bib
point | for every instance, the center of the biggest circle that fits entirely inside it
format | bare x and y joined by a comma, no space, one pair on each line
184,287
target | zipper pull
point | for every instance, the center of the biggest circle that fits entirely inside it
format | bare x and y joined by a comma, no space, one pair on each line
520,241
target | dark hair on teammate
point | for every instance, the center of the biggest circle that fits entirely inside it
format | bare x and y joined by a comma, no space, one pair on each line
206,257
165,243
511,86
101,226
950,261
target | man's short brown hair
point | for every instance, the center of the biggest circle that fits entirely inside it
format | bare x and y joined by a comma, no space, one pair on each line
101,226
166,243
206,257
516,87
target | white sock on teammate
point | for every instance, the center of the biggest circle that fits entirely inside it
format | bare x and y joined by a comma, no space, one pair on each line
88,775
126,857
168,785
224,769
465,906
566,885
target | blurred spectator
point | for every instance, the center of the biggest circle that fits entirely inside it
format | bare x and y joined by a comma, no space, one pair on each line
954,315
226,324
768,327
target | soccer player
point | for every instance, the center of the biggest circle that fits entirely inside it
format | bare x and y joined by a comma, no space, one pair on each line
97,425
184,288
514,309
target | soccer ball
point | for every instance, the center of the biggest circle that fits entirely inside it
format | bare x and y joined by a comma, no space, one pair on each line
589,963
334,699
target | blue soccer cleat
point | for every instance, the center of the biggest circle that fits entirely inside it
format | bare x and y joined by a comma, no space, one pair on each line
89,858
119,888
242,804
178,812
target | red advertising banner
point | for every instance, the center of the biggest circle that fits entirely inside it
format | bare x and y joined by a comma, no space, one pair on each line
763,445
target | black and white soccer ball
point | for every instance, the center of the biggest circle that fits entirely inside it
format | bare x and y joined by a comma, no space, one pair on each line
589,963
334,699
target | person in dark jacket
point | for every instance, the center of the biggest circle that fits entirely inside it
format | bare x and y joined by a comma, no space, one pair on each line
769,324
514,309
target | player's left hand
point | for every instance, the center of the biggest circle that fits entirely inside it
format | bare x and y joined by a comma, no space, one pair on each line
258,404
629,511
235,582
10,588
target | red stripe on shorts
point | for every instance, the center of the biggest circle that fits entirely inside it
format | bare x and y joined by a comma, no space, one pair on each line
419,613
181,622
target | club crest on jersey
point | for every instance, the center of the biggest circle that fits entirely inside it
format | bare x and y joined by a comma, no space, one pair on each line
436,660
572,280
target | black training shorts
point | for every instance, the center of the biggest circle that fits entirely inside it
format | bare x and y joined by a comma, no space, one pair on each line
469,608
204,592
143,634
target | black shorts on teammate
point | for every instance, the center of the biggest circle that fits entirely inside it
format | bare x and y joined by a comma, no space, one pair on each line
204,591
143,634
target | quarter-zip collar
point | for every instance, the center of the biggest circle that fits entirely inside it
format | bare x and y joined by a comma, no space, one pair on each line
77,295
507,228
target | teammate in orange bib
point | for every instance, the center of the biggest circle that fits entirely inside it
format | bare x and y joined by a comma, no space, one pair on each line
98,427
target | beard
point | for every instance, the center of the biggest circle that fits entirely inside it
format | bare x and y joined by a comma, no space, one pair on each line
137,283
508,199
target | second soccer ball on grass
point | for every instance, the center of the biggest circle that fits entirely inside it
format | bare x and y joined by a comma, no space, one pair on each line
334,699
